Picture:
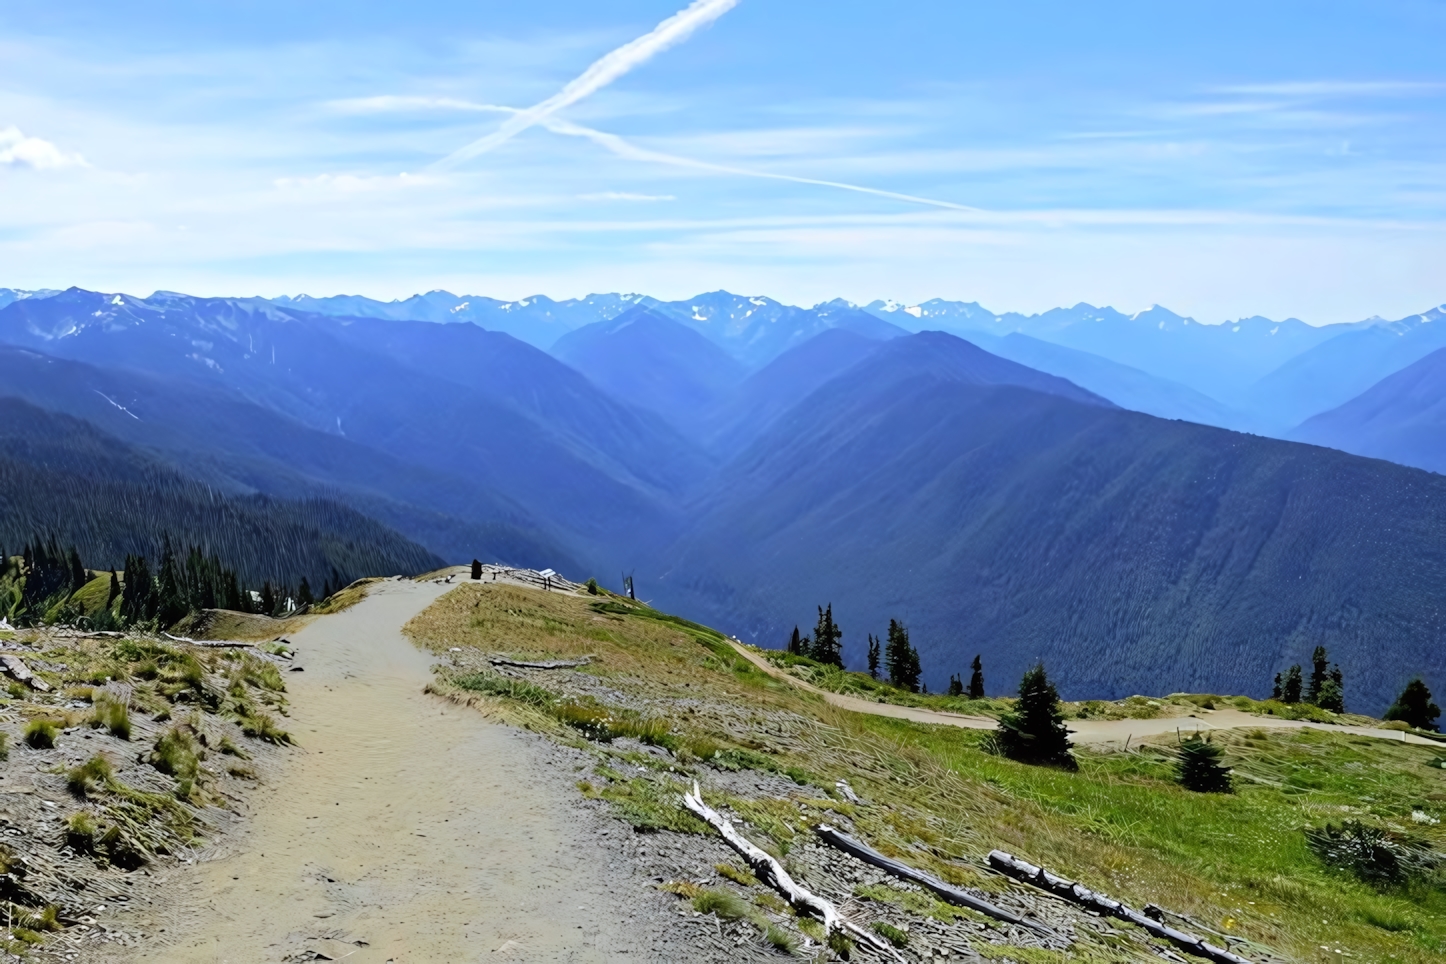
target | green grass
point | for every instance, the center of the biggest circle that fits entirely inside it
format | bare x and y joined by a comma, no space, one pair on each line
1238,863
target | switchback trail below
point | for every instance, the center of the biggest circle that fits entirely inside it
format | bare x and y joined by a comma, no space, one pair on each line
1081,731
403,827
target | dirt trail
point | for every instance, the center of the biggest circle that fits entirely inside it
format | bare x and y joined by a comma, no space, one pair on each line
1083,731
404,828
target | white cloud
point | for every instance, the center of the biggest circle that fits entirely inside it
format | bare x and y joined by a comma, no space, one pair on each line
354,184
393,103
17,150
674,30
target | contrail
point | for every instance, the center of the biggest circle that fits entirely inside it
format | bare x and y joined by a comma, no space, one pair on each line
623,148
609,68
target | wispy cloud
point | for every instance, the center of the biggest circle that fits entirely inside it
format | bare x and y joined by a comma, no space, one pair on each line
1335,88
624,196
393,103
677,28
17,150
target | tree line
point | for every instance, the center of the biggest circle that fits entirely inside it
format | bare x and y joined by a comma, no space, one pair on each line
899,659
42,583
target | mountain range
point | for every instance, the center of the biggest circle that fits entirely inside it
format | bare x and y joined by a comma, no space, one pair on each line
1047,487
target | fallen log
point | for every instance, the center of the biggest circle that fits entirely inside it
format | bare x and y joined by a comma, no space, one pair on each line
209,643
949,894
1072,891
17,670
771,872
550,664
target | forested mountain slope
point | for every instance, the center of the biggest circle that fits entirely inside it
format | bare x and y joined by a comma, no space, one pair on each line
62,478
1131,554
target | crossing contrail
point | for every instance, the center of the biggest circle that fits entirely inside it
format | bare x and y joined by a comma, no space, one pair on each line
604,71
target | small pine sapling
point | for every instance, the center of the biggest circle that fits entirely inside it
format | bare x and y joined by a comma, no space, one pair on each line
1035,732
1198,766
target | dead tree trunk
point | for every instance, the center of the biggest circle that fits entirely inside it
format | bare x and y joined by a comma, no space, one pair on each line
551,664
952,895
771,872
1069,890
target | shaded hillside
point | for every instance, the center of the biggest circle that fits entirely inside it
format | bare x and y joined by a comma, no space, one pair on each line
63,478
212,435
1125,386
650,360
1402,418
772,390
1131,554
598,499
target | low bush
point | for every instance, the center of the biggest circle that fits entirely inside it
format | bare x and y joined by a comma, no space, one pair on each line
40,734
110,712
90,776
891,934
1374,854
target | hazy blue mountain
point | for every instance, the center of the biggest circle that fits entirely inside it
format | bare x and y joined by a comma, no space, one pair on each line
1219,361
1401,418
782,383
648,359
1337,371
1125,386
306,367
538,320
63,478
1130,553
10,295
212,435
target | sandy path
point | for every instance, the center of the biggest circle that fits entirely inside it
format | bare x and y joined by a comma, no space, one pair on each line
1083,731
403,822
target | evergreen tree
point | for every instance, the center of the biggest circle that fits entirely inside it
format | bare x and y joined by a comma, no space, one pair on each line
1414,706
1278,693
1332,693
303,592
1290,689
1319,673
171,603
901,658
77,571
114,591
1198,767
956,685
976,679
476,568
797,644
1034,732
268,599
873,656
827,639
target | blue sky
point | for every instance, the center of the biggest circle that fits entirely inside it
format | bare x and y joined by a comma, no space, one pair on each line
1223,159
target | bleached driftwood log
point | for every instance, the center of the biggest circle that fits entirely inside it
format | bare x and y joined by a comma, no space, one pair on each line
771,872
18,671
550,664
209,643
1070,890
948,893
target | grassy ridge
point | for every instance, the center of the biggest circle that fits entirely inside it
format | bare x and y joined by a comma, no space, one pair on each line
1238,864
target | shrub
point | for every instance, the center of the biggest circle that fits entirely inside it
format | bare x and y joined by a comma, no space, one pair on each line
177,753
80,832
262,726
725,904
41,734
4,745
89,776
891,934
736,875
110,712
1198,767
1371,853
592,587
